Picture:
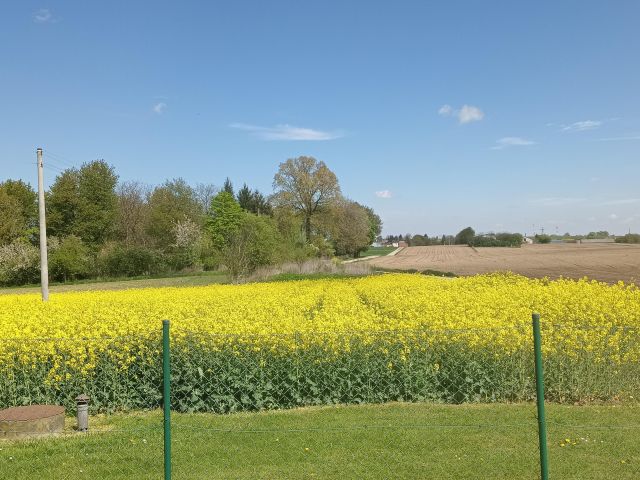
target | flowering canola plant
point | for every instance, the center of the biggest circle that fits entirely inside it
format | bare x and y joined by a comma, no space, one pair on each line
398,336
363,307
359,305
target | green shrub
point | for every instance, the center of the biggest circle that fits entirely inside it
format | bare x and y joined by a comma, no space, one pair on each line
117,260
629,238
497,240
542,238
69,259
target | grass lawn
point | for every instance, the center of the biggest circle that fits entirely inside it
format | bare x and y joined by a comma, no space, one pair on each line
190,280
371,442
375,251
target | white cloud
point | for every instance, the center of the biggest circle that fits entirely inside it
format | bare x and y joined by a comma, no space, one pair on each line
621,201
556,201
582,126
506,142
286,132
613,216
618,139
591,219
467,114
445,110
43,15
159,108
384,194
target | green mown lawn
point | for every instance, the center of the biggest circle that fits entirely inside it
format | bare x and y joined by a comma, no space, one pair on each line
374,442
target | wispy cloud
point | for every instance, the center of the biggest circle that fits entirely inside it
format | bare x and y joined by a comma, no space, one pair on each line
506,142
556,201
445,110
619,139
466,114
613,216
44,15
286,132
159,108
620,201
384,194
582,126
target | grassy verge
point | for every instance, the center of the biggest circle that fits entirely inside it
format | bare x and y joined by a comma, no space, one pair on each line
373,442
375,251
177,280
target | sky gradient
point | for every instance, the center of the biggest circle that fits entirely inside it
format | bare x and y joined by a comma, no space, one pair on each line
499,115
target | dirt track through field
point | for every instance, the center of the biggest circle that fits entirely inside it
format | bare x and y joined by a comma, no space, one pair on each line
604,262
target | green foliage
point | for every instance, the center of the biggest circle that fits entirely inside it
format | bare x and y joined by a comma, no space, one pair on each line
133,213
62,203
11,224
305,369
465,236
253,201
95,220
352,228
598,235
377,251
172,202
84,203
18,211
629,238
306,186
498,240
542,238
19,263
253,244
375,223
117,260
225,217
228,186
69,259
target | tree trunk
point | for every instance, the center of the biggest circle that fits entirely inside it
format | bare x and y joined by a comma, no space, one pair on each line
307,228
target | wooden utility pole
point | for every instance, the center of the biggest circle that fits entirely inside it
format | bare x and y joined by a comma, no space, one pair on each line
44,262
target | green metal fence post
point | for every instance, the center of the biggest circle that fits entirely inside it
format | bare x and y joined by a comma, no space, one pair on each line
166,394
542,426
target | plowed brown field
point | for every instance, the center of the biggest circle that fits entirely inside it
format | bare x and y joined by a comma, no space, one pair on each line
605,262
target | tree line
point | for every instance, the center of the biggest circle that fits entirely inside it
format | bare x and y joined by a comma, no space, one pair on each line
466,236
98,226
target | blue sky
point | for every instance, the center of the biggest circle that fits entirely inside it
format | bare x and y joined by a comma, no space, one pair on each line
499,115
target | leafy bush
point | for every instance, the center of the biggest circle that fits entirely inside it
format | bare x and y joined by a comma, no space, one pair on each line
117,260
497,240
254,244
629,238
542,238
19,263
69,259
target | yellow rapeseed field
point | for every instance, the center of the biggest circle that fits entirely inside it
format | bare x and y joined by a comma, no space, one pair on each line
582,312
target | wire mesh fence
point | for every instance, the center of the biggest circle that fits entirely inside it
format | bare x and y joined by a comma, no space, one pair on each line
122,377
360,404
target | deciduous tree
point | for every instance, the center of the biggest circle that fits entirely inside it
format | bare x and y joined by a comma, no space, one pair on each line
307,186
